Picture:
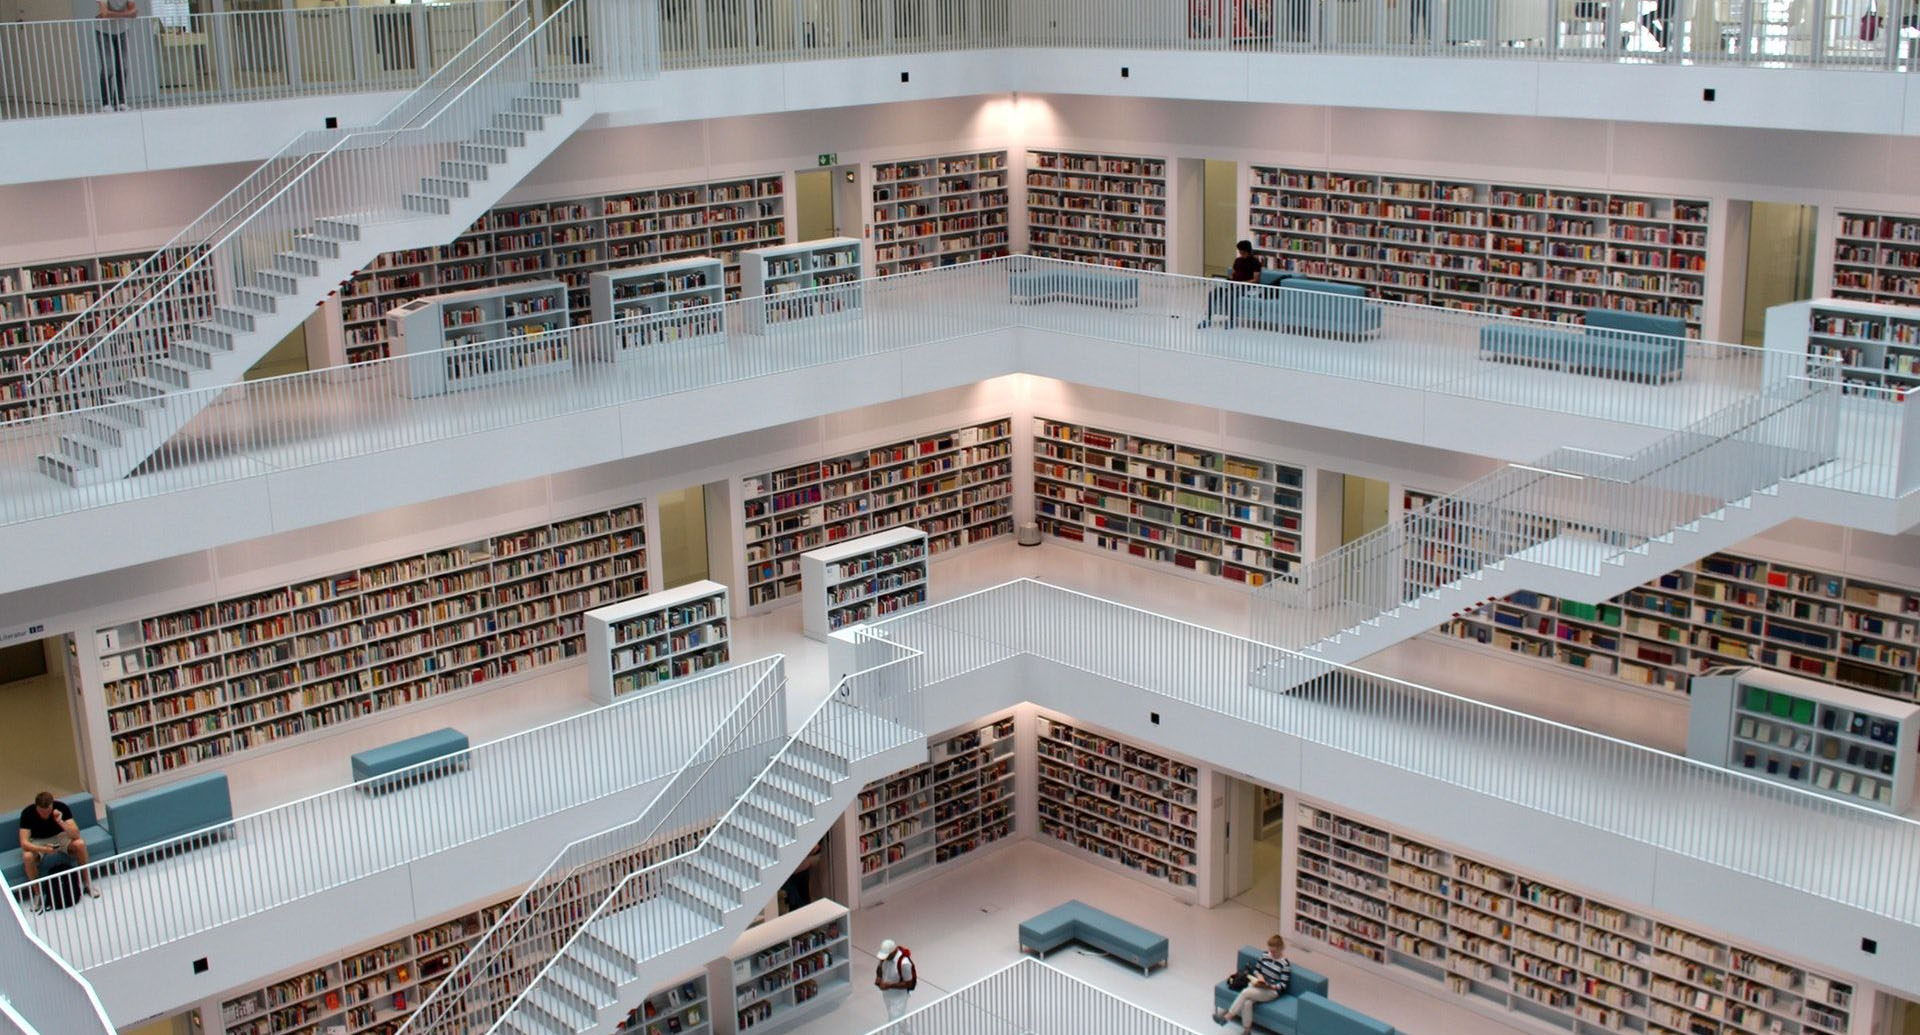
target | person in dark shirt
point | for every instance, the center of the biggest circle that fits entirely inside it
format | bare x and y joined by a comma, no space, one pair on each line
1246,270
46,827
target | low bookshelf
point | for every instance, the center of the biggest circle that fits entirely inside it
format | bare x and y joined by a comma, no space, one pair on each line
821,277
678,1008
862,579
1876,257
521,321
1867,345
660,302
641,643
1110,210
1501,939
788,970
939,211
955,485
960,800
1130,808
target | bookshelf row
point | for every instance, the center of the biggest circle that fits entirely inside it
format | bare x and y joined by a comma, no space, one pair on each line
791,968
199,685
1110,210
568,240
682,1008
1725,609
1206,511
954,485
933,212
639,643
1127,805
1546,253
1479,930
858,580
959,800
1876,258
1874,345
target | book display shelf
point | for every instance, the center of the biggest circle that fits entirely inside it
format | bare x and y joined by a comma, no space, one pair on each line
192,687
958,801
1502,939
955,485
569,239
528,310
680,1008
1840,743
1876,258
660,289
862,579
932,212
1875,345
640,643
790,969
804,271
1200,510
1547,253
1725,609
37,301
1104,209
1130,808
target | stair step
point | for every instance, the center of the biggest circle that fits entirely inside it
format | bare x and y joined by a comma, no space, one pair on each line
336,229
121,412
257,300
462,170
795,809
743,845
818,787
445,187
519,1024
542,1008
146,391
584,978
724,868
277,282
553,88
296,265
501,137
767,834
84,450
60,468
517,120
817,761
485,154
595,967
235,319
536,105
795,786
193,354
426,203
172,372
713,898
97,425
319,247
211,335
615,959
577,1007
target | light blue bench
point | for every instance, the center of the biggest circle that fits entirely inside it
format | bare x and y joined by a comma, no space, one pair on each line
1088,287
390,759
1613,343
1075,921
99,842
197,803
1303,1009
1302,305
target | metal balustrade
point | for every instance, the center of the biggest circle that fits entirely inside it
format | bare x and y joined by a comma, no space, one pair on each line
42,994
1031,997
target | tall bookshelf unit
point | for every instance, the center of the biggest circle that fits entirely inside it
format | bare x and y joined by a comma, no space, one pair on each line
862,579
1097,208
529,310
960,800
932,212
1547,253
1725,609
1876,258
186,689
569,239
681,1008
1130,808
638,644
1501,938
805,271
790,969
954,485
1201,510
1875,345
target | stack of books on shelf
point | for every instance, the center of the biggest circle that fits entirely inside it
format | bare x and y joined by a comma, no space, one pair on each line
791,968
497,334
1876,258
959,800
660,302
932,212
863,579
1134,808
678,1009
640,643
1840,743
1110,210
1875,346
809,281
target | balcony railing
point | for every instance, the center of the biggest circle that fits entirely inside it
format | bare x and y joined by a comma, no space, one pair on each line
1034,998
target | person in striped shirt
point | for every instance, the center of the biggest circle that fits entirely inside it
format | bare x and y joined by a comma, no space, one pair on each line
1266,979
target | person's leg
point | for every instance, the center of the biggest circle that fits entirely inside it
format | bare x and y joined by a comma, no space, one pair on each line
100,44
119,43
1246,1001
77,848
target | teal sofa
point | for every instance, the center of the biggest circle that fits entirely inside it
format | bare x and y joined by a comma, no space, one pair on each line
1065,284
198,804
85,816
1075,921
1303,305
1613,343
1303,1009
404,762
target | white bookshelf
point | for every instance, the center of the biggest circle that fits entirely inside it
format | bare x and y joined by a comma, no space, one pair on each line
1546,253
1200,510
1097,208
955,485
789,969
680,1007
862,579
1876,257
958,801
531,311
1505,941
939,211
640,643
1131,809
662,302
1840,743
186,689
1875,345
806,271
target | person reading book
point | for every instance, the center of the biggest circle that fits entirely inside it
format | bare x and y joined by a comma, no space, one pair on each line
46,828
1265,981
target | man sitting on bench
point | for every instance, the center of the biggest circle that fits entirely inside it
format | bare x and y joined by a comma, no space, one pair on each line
1221,299
47,827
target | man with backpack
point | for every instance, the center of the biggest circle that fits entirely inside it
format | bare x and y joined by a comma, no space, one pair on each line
895,977
48,834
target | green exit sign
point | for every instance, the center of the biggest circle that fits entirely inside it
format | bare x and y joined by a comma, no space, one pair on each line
829,159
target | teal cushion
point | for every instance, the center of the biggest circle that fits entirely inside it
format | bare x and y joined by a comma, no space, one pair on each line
1636,323
1322,1016
1301,982
1280,1015
1051,928
1325,287
409,752
150,817
1271,278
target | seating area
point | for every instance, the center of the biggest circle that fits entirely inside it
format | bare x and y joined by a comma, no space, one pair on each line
1303,1009
1613,343
404,763
199,803
85,816
1303,305
1087,287
1075,921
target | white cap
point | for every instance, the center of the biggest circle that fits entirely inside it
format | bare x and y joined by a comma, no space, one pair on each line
887,948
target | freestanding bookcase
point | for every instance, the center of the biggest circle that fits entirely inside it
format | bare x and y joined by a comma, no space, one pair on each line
788,970
679,1008
1873,345
851,582
643,642
530,311
802,270
659,287
1806,734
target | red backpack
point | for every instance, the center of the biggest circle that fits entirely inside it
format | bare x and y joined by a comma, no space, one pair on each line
906,967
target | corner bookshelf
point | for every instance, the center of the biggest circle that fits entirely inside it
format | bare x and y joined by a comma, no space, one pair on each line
679,1008
650,296
187,689
1725,609
641,643
932,212
954,485
1105,209
1131,808
1504,940
531,311
1876,258
1546,253
1201,510
569,239
958,801
1875,345
790,969
856,581
808,271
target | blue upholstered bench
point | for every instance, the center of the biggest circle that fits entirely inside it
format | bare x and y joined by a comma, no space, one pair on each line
1303,305
198,803
1076,921
1303,1009
1088,287
389,760
1613,343
99,842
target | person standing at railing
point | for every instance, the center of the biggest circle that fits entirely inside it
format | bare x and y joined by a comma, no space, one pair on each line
110,36
1659,21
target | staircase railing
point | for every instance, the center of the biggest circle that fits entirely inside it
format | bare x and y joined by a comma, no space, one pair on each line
585,873
43,992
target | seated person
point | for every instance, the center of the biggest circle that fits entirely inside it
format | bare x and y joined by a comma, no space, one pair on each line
47,827
1246,270
1266,979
